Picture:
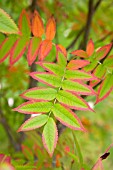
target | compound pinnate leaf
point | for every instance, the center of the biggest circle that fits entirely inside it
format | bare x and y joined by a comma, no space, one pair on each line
18,49
72,100
75,64
90,48
50,136
50,29
33,49
33,123
32,107
80,75
61,49
37,25
77,87
6,47
45,48
67,117
24,24
7,25
40,94
52,68
44,77
80,53
105,88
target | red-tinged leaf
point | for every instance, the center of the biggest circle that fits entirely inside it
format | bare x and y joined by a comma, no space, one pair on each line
61,58
75,64
105,88
43,77
39,94
6,166
44,49
32,107
4,158
18,49
80,53
79,75
7,25
6,47
33,49
90,48
24,24
67,117
50,136
61,49
27,152
37,25
50,29
33,123
103,51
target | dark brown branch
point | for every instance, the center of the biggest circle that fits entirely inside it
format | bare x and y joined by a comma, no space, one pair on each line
97,5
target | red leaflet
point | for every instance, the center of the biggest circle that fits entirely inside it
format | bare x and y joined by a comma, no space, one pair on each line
61,49
44,49
4,158
80,53
33,49
103,51
90,48
50,29
24,23
75,64
37,25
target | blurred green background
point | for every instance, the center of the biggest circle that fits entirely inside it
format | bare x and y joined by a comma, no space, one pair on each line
71,17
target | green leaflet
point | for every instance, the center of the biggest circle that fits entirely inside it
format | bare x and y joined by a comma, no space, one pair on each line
48,79
24,167
54,68
7,25
34,123
40,93
62,61
50,136
65,116
106,86
35,44
91,66
6,47
2,37
100,71
75,86
34,107
76,74
109,62
71,100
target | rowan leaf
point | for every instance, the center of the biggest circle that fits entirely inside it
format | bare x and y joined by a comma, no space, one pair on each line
80,75
33,123
39,93
67,117
91,66
105,88
37,25
77,87
24,24
18,49
61,49
80,53
50,29
102,52
50,136
72,100
75,64
6,47
33,49
90,48
109,61
61,58
44,49
44,77
7,25
32,107
52,68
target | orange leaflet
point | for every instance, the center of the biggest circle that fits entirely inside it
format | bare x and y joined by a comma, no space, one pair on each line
80,53
90,47
44,49
37,25
75,64
61,49
50,29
